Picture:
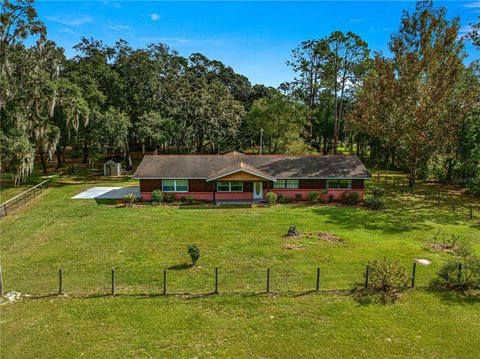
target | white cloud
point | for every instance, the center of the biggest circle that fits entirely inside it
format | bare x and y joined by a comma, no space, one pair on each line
352,21
182,41
70,21
475,4
465,29
118,27
155,16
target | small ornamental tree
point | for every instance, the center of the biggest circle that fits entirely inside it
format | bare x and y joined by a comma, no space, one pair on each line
194,252
157,197
387,278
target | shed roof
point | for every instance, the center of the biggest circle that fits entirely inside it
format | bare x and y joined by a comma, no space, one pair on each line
275,166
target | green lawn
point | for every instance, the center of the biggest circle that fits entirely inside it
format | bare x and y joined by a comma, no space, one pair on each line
86,239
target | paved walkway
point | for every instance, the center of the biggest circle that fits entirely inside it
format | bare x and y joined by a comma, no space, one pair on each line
108,192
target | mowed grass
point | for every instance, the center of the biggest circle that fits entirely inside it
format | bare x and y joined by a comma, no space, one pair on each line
86,239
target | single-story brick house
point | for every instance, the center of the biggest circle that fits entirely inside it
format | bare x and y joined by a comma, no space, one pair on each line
236,176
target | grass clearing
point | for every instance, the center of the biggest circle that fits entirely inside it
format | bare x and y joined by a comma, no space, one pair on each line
87,238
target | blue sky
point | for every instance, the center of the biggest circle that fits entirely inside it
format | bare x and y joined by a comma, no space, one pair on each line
255,38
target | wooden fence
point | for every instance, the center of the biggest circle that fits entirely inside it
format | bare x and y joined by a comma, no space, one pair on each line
23,198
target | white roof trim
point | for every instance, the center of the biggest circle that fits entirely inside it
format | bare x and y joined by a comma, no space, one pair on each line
242,170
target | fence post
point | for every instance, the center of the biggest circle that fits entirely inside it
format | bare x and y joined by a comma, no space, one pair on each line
367,273
216,280
268,280
471,212
60,282
113,281
5,209
413,189
34,192
318,280
378,177
385,183
18,202
438,198
394,182
164,282
1,281
459,272
453,205
414,272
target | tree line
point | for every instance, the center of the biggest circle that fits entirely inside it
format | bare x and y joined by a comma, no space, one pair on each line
416,109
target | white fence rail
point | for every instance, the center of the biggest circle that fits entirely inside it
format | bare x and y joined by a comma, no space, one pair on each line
23,198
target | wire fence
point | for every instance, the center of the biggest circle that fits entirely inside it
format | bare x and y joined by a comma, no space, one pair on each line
398,190
192,280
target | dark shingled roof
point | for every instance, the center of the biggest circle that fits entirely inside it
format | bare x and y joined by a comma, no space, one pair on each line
277,166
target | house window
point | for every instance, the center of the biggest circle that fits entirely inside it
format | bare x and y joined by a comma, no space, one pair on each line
339,184
286,184
229,186
175,185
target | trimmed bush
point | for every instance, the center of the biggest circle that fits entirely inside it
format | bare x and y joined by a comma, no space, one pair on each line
271,197
194,252
157,197
350,198
313,197
168,198
280,198
331,198
285,199
375,203
298,197
378,191
129,199
388,278
188,200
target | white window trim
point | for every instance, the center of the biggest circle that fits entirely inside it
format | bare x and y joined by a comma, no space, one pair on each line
349,184
229,186
285,186
174,185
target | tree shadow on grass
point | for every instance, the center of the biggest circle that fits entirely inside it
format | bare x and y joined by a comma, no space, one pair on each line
420,217
180,266
456,297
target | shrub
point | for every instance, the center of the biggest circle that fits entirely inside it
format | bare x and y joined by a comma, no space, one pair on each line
129,199
375,203
388,278
280,198
271,197
157,197
285,200
298,197
168,198
292,231
188,200
313,197
378,191
462,272
331,198
350,198
459,274
194,252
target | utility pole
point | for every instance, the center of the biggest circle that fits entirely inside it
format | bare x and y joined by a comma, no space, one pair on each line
261,140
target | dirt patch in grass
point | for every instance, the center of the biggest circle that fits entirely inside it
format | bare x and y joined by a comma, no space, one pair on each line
300,241
442,248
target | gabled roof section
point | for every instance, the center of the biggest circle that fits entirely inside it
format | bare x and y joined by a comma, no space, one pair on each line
276,166
241,167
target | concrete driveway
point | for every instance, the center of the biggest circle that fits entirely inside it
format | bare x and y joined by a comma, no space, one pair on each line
108,192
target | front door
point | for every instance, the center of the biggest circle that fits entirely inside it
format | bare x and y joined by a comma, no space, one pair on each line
257,190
